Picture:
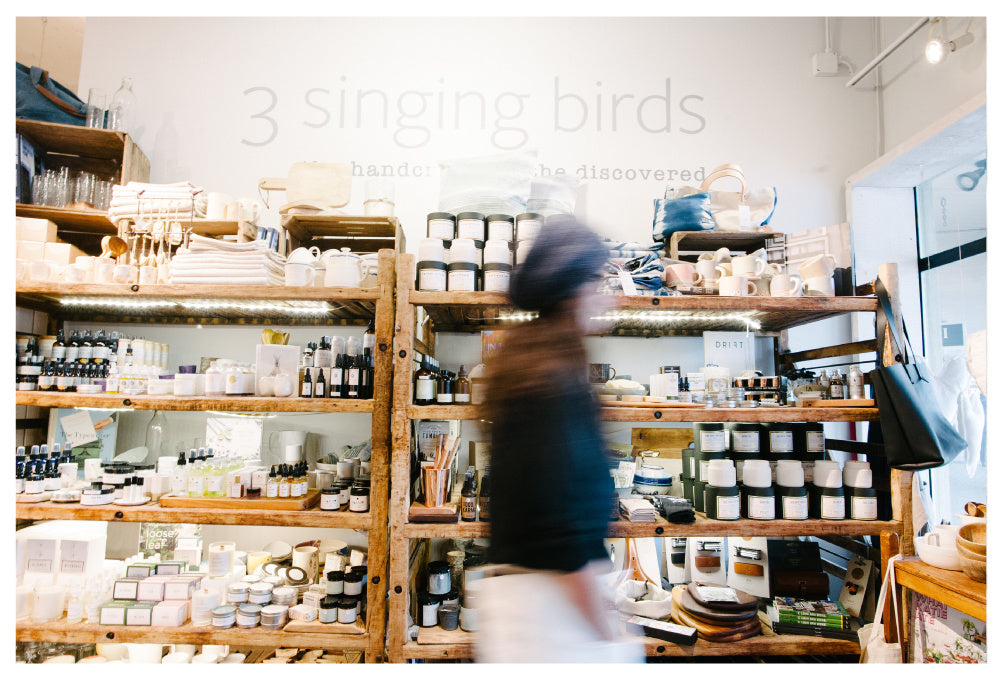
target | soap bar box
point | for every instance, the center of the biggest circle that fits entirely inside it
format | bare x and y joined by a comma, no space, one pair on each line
139,614
170,613
113,613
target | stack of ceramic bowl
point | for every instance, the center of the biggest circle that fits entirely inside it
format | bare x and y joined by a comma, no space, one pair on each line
971,545
938,548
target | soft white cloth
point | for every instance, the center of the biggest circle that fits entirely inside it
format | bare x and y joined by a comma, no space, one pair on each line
960,403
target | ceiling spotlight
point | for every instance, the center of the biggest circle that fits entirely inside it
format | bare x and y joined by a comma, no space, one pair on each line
937,48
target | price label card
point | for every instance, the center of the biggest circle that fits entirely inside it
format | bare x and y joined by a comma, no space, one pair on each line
40,555
73,556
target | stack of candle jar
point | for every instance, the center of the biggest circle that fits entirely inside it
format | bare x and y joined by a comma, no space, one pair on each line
441,603
773,471
471,251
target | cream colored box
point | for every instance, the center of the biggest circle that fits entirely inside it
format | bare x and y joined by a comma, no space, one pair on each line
170,613
36,230
30,250
61,253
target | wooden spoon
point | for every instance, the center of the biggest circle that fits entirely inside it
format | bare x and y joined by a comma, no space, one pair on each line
116,245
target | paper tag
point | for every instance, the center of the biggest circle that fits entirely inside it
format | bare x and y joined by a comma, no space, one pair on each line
628,285
78,429
718,594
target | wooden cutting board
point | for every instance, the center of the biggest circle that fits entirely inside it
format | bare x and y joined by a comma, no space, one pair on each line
715,616
618,403
421,513
745,602
711,632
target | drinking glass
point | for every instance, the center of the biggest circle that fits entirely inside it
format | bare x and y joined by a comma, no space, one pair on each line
64,181
102,194
39,189
83,188
97,103
52,197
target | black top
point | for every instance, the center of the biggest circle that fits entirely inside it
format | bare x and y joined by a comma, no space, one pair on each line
551,491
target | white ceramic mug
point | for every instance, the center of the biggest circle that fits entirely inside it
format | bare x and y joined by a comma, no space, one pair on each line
736,286
125,274
104,270
87,261
707,269
748,265
39,271
683,273
343,268
306,557
722,255
215,208
763,286
724,269
821,286
784,285
299,275
819,266
76,273
147,275
243,209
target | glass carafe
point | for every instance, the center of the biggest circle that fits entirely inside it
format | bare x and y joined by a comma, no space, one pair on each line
156,436
122,108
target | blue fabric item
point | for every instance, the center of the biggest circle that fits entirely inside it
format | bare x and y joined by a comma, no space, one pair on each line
566,255
768,219
646,271
33,105
690,213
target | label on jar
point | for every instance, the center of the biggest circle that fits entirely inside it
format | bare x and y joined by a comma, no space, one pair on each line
727,508
336,377
781,441
461,397
432,279
713,441
864,508
425,389
815,442
836,391
795,508
527,229
445,398
59,353
101,353
196,486
501,230
85,353
461,281
474,229
330,501
442,229
831,508
496,281
284,489
746,441
760,508
359,502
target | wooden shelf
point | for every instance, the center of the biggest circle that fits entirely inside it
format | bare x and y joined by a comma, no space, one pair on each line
154,513
649,316
91,222
360,233
701,527
458,644
952,588
192,404
676,414
703,241
62,632
74,139
204,304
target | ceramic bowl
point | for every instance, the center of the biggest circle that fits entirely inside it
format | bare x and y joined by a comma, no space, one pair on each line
279,550
970,555
937,556
968,520
973,538
655,604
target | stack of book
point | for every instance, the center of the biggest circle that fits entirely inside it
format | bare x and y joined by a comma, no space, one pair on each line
811,617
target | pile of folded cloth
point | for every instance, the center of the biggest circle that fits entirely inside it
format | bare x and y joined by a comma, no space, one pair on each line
636,510
136,199
640,262
208,261
674,509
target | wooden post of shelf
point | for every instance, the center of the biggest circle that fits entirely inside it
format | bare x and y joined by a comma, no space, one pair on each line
380,456
400,500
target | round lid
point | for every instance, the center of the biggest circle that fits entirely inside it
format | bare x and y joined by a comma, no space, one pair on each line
250,608
261,587
789,473
336,575
296,575
826,473
436,567
328,602
223,610
529,216
273,610
432,216
353,576
721,473
347,602
239,587
757,473
431,249
500,217
496,252
470,215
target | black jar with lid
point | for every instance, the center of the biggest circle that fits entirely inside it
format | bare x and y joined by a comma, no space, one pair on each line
709,436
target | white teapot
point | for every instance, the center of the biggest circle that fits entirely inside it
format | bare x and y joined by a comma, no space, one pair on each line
303,255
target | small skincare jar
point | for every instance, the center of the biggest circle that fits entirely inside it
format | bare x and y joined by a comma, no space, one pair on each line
429,605
260,593
353,583
328,609
438,578
827,500
722,497
248,615
792,502
347,610
758,495
334,583
224,616
238,592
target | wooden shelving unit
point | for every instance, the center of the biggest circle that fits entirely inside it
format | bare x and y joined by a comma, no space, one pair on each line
61,632
166,304
955,589
643,317
333,231
436,643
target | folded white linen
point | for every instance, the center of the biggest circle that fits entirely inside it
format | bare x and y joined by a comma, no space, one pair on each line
222,280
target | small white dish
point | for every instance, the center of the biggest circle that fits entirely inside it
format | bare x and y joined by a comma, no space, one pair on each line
937,556
122,502
279,550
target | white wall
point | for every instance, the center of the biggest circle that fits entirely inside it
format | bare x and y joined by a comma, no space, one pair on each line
740,91
916,93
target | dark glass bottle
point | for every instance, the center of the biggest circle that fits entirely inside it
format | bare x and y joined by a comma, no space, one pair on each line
73,347
307,384
86,349
424,384
101,352
484,496
59,347
353,370
319,387
469,498
336,377
463,389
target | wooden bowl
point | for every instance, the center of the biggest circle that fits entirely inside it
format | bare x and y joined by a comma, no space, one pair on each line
975,569
971,555
973,537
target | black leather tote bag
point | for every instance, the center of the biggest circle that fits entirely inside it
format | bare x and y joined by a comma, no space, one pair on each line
915,432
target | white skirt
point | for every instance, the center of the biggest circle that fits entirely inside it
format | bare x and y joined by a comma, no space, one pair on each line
530,618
